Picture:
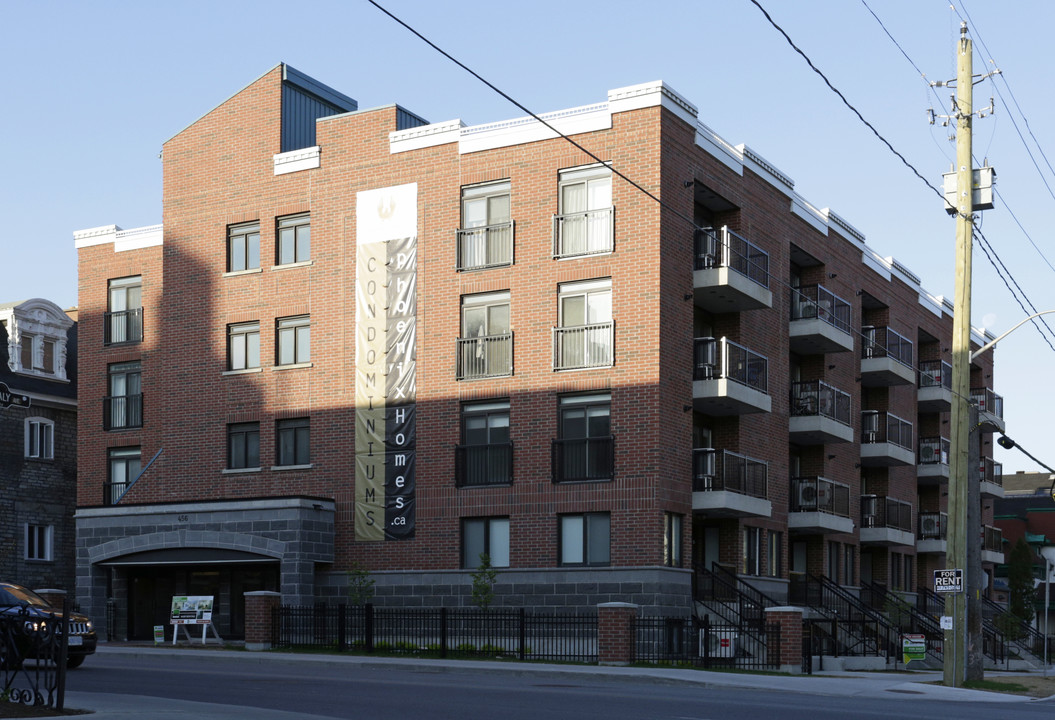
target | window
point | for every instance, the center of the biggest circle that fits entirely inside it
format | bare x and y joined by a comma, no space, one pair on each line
28,346
485,348
909,575
485,456
124,321
672,539
849,556
123,408
37,353
39,542
752,551
585,539
584,226
485,536
585,449
895,571
292,441
243,445
774,548
243,346
833,561
486,236
294,340
243,247
585,333
125,464
294,239
40,438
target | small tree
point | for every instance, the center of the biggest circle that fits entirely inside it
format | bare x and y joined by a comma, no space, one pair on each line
1020,583
484,579
360,585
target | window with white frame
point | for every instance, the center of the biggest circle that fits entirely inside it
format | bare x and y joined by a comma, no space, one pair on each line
584,225
125,464
293,340
485,536
39,438
672,539
37,353
39,539
243,346
585,539
243,247
124,318
485,348
36,338
486,235
585,334
293,239
123,408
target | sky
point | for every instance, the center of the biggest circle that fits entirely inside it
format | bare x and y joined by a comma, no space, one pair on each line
92,90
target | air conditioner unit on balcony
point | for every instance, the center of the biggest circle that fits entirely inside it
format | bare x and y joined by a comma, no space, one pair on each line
707,359
718,644
869,333
929,526
814,495
928,454
705,471
869,521
869,426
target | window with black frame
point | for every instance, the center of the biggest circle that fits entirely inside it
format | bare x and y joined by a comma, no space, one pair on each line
292,443
585,539
485,456
585,450
243,446
485,536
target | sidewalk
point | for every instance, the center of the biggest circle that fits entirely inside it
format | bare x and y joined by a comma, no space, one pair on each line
910,686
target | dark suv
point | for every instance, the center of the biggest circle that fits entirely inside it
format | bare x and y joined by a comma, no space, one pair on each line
37,624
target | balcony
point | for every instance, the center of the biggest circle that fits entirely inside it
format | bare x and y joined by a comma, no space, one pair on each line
584,233
731,274
933,467
123,327
935,387
727,484
483,465
480,248
886,521
931,535
991,478
820,414
728,379
886,440
819,506
122,411
112,492
485,357
820,322
992,545
583,346
582,459
990,409
886,358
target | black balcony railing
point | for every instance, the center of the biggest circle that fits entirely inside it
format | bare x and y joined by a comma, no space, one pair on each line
112,492
583,346
992,471
884,427
726,470
933,451
932,525
885,512
584,233
123,326
582,459
725,248
814,301
478,465
880,342
485,357
815,397
988,401
935,373
485,247
723,358
122,411
817,494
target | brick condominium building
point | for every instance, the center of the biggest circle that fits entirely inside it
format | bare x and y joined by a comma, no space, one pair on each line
360,340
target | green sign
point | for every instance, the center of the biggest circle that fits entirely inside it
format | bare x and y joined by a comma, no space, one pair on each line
913,647
159,634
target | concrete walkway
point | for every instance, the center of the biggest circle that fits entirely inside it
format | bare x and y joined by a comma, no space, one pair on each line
910,686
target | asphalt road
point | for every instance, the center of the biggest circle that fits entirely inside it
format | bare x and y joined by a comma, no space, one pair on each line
412,693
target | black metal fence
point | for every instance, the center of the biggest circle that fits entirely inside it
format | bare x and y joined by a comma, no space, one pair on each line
695,642
32,657
438,632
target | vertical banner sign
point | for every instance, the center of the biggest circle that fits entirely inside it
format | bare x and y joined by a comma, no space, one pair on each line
385,362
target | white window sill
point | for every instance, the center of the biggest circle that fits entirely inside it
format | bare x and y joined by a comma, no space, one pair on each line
239,471
244,371
309,466
288,266
236,273
293,366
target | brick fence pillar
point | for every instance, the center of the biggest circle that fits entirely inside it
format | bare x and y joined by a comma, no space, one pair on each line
615,632
258,618
789,619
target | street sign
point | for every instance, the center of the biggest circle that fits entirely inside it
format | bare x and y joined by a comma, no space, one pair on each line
8,398
948,581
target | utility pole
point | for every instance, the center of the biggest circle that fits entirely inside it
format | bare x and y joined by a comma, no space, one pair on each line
955,648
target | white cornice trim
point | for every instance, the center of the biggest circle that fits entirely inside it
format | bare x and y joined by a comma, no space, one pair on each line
872,260
843,226
523,130
767,170
122,240
423,136
931,303
716,146
296,160
95,236
810,214
651,94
